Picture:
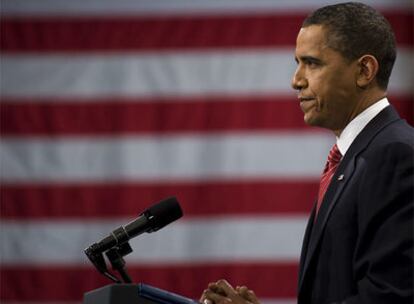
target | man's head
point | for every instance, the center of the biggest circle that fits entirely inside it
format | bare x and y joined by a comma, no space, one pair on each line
355,29
345,53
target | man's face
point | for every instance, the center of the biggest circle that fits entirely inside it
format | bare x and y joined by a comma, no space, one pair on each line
325,81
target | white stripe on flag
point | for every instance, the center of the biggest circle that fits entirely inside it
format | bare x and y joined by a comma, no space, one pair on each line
168,74
184,73
148,7
157,158
197,240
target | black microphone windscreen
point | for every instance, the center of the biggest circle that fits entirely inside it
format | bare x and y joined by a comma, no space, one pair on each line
163,213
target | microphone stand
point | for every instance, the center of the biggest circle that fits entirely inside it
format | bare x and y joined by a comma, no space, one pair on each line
116,255
98,260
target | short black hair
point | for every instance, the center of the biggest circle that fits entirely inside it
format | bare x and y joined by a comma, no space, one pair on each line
356,29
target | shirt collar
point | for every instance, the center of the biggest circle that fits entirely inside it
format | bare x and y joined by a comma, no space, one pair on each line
355,127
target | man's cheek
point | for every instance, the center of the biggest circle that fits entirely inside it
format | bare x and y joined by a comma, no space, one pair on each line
319,105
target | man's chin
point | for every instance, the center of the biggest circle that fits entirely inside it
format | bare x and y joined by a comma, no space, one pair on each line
311,120
319,122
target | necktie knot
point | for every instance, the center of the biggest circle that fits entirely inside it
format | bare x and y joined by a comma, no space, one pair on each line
334,156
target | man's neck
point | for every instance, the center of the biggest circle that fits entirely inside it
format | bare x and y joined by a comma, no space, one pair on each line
366,100
356,126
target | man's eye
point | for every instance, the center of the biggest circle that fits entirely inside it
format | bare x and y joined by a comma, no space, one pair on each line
312,63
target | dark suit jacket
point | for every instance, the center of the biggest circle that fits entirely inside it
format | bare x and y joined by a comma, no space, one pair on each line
360,248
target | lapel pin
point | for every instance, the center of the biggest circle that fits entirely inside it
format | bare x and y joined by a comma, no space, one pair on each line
341,177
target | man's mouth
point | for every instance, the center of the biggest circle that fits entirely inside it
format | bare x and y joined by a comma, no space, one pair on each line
306,103
304,99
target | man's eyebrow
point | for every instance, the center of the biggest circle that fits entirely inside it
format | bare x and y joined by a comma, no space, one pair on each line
309,59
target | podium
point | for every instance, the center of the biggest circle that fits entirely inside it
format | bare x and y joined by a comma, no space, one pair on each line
133,294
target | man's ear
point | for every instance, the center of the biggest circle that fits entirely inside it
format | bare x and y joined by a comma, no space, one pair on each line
368,69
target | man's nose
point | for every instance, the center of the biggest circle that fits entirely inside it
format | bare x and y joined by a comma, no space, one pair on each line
298,80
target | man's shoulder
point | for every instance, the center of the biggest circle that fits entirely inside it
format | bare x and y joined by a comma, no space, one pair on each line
385,132
397,132
394,141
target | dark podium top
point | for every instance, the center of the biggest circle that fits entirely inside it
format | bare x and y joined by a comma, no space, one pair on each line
133,294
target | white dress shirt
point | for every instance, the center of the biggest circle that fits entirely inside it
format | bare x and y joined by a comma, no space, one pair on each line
356,125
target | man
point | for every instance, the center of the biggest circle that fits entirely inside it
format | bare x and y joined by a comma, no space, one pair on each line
358,246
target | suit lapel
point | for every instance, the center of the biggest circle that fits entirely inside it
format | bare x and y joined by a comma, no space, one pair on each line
346,168
339,181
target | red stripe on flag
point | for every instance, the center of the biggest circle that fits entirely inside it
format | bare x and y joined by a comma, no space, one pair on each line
117,200
22,118
63,34
117,116
404,106
65,283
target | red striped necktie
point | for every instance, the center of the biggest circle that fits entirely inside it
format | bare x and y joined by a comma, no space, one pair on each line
334,159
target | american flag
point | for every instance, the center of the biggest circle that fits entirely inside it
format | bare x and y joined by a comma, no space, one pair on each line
110,106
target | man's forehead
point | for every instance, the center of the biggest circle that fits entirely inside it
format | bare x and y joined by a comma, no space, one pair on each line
311,39
313,35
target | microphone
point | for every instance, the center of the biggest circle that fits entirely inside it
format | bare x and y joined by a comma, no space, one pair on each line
152,219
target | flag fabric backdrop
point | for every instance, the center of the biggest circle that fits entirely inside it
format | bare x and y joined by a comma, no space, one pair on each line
110,106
